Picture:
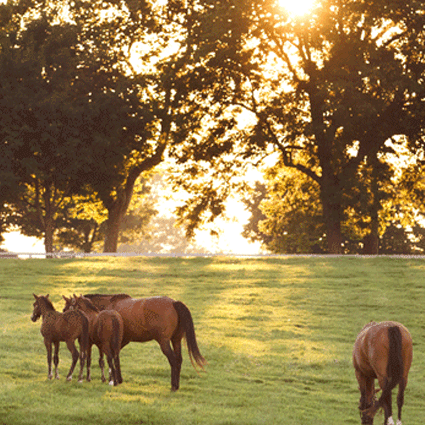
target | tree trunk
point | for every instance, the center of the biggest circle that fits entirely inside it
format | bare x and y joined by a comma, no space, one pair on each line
331,194
118,207
47,221
332,217
371,241
116,213
113,225
48,234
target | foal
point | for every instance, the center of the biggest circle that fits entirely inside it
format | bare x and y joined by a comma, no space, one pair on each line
106,332
58,327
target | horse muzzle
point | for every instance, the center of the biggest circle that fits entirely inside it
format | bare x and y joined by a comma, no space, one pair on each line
35,317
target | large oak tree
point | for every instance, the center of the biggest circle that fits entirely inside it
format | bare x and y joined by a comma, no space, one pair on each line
76,116
335,84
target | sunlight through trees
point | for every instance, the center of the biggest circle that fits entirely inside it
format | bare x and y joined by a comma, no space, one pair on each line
95,95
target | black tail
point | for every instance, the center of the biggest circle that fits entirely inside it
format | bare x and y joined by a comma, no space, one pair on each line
85,337
116,341
395,365
186,322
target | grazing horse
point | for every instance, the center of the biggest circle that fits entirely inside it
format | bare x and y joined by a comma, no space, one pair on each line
157,318
382,351
58,327
106,332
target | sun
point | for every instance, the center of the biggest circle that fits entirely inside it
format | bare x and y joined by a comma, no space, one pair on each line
297,7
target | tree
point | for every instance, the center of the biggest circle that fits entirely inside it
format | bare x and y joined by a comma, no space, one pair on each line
73,116
335,85
395,240
39,148
290,216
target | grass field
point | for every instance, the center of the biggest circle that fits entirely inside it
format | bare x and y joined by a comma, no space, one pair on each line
277,334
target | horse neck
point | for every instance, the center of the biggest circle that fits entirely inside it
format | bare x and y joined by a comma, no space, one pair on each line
91,314
45,308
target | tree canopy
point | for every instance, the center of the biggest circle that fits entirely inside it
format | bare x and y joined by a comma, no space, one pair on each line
218,87
335,84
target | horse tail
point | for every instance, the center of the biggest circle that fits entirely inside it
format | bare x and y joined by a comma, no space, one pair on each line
395,364
395,359
116,337
85,336
186,324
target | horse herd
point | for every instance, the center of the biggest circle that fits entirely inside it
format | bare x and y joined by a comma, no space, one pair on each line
111,322
382,350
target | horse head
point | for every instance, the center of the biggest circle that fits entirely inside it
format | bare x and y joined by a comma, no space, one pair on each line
70,303
367,414
37,311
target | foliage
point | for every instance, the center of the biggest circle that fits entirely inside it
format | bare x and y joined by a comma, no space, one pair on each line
287,218
65,121
277,333
293,214
314,84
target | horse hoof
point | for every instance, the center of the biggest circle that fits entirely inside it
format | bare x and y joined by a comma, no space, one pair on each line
69,378
111,383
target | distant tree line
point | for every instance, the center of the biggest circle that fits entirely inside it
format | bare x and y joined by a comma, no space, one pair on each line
328,99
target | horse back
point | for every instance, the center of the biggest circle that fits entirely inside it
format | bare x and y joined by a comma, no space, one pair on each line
108,326
63,326
372,346
104,302
147,318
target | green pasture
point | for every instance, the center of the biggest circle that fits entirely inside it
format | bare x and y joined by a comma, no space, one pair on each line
277,334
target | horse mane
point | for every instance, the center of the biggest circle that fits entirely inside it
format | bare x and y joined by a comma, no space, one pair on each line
113,297
119,297
47,302
89,304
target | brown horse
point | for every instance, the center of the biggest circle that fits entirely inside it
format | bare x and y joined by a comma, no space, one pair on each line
382,351
106,332
158,318
58,327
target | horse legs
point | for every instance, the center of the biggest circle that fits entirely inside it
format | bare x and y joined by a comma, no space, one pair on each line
174,363
75,355
88,377
177,347
112,371
56,359
102,365
386,402
367,393
118,368
388,410
82,361
400,398
48,345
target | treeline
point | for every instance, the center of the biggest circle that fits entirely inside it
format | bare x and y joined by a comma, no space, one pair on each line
94,95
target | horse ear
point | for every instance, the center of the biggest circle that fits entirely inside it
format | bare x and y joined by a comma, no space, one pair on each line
35,296
47,296
66,299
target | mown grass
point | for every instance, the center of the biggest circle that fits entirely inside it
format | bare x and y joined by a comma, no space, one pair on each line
277,334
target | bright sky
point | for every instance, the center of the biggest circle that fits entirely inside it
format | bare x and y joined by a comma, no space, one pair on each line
16,242
229,240
297,7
